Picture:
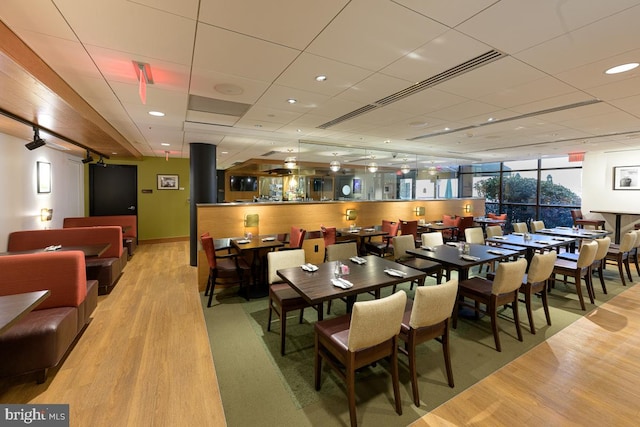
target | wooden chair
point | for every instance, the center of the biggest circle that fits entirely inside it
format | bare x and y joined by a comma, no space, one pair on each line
578,269
410,227
329,238
465,222
432,239
535,283
384,247
425,318
226,268
282,298
537,226
580,221
351,342
296,239
403,243
620,255
501,291
598,265
494,230
453,221
502,217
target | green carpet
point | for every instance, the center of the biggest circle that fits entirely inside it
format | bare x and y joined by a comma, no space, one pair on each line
261,387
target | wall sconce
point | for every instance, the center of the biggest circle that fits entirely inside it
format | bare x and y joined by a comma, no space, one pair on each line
46,214
251,220
419,210
467,208
351,214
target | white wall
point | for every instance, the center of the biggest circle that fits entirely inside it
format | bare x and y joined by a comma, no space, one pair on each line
597,187
20,203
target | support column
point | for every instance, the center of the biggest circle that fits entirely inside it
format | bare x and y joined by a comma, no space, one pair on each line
202,173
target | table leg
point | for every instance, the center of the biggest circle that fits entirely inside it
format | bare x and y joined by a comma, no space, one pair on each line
617,231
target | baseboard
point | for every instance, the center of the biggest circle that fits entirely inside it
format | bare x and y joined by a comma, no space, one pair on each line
166,240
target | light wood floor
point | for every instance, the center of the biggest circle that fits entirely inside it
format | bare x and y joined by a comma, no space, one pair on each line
145,358
586,375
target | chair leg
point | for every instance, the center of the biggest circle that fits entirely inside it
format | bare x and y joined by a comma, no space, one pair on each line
270,312
578,282
351,396
317,364
545,305
601,277
208,288
621,272
213,285
411,352
494,324
394,375
516,315
329,307
301,314
527,303
283,329
626,265
447,354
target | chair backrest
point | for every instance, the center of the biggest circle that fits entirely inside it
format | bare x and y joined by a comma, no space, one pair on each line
509,276
342,251
637,244
409,227
374,322
494,230
576,214
628,241
496,216
474,235
603,247
520,227
587,254
296,237
209,249
464,222
537,225
328,235
283,259
390,227
401,244
432,239
433,304
541,267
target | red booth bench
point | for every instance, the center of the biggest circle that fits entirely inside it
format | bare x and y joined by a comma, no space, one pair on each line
106,268
127,222
40,339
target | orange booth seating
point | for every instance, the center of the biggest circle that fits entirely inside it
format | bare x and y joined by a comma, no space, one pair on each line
129,224
42,337
106,268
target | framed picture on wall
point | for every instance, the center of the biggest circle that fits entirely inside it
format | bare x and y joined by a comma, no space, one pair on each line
168,182
44,177
357,186
626,178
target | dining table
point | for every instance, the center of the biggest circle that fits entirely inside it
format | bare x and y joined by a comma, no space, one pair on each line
256,248
574,233
618,215
438,226
362,235
535,242
484,222
369,274
90,251
452,256
15,307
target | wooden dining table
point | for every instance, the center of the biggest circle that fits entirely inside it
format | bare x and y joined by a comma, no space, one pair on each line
316,287
452,258
90,251
362,235
15,307
257,247
537,242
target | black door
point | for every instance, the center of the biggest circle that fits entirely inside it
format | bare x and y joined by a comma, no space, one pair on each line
113,190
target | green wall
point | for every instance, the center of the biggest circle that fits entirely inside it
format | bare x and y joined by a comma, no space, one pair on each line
162,214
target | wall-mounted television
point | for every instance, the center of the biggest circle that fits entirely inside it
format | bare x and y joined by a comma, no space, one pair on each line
243,183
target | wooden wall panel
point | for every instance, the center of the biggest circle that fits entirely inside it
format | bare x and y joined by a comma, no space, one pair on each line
227,220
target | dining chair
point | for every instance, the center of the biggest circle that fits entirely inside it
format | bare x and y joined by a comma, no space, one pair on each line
401,245
537,226
577,269
343,251
580,221
329,238
502,217
634,252
501,291
451,221
432,239
464,223
425,318
410,227
474,235
296,239
520,227
224,268
598,265
494,230
282,297
352,342
536,283
384,247
621,254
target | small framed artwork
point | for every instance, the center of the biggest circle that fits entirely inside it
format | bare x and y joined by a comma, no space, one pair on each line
168,182
626,178
357,186
44,177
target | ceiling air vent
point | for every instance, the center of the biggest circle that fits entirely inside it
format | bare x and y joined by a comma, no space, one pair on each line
460,69
270,153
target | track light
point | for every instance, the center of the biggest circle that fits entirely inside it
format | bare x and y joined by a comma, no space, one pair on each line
37,141
87,159
101,162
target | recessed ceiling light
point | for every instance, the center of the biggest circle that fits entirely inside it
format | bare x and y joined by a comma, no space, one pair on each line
447,128
291,101
225,152
165,144
490,119
156,113
321,78
258,126
387,141
622,68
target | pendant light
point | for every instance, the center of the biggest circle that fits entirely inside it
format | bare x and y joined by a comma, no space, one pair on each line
290,161
335,164
405,168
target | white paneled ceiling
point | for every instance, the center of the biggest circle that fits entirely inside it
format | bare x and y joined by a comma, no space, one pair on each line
262,53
